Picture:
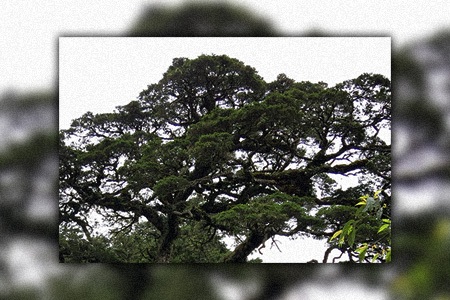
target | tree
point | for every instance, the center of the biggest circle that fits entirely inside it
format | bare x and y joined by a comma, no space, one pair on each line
213,153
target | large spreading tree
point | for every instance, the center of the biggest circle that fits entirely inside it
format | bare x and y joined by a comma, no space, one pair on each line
213,163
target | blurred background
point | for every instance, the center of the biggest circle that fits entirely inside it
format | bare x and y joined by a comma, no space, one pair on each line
29,267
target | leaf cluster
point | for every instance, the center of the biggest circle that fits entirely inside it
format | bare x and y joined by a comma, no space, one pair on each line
366,221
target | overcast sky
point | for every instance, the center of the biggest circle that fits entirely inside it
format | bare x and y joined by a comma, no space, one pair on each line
97,74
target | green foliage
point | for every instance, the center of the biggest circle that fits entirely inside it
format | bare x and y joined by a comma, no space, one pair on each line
213,148
265,213
369,212
181,282
199,86
76,248
200,243
428,273
74,286
167,188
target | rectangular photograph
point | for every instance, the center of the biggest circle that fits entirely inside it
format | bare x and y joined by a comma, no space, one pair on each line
216,150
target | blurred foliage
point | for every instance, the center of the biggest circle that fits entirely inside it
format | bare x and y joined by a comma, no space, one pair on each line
200,19
420,265
424,257
421,239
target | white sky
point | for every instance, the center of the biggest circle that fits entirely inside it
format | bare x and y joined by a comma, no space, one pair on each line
97,74
30,29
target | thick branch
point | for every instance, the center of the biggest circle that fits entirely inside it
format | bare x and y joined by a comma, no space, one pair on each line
246,248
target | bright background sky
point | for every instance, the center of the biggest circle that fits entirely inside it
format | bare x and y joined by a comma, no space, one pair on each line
97,74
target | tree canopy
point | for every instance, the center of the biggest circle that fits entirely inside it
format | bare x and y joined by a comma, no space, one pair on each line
213,163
